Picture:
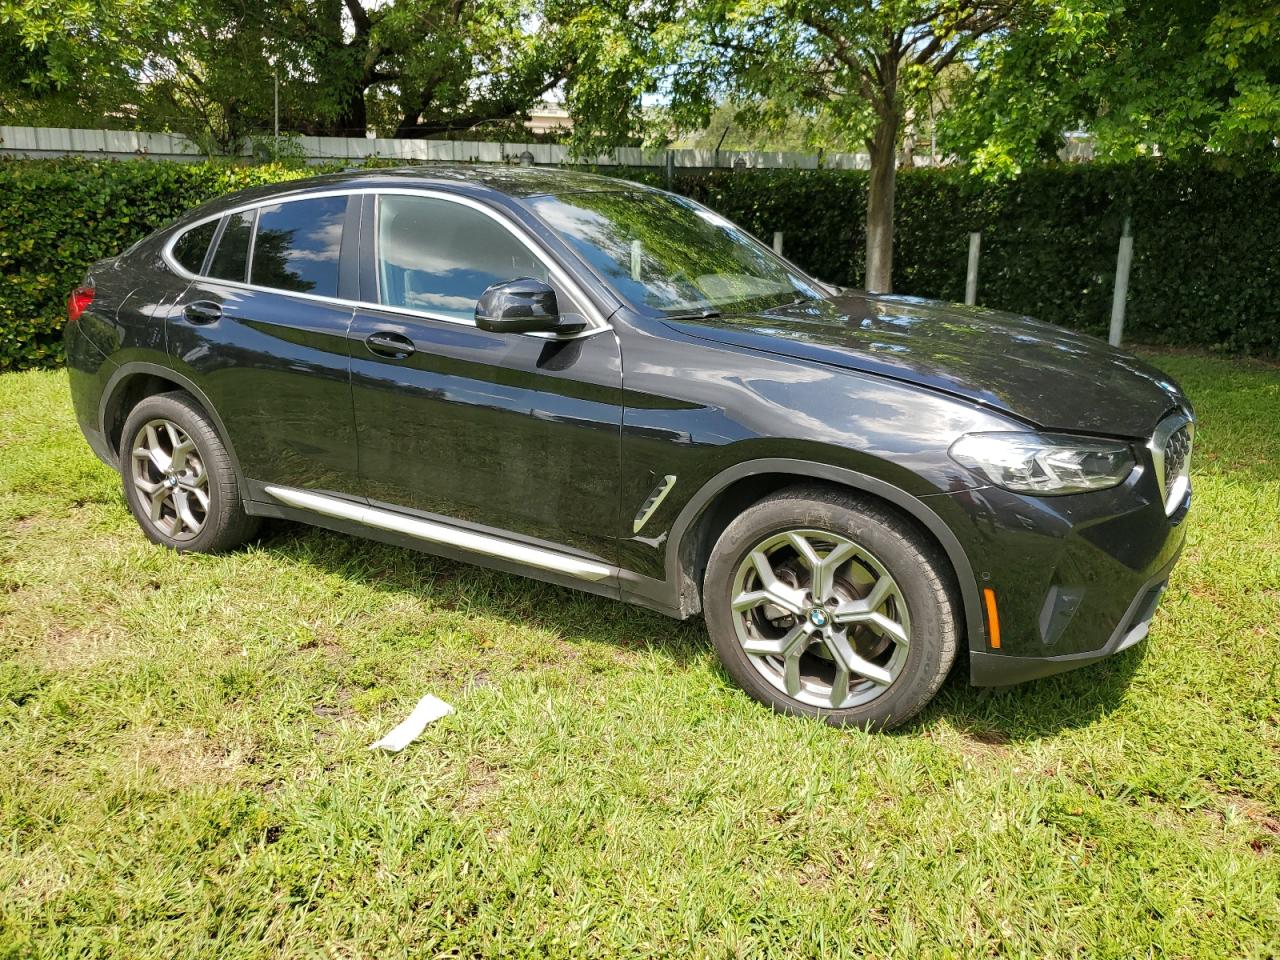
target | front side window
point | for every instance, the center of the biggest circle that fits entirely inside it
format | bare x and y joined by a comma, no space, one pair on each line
231,259
189,250
438,256
670,254
297,244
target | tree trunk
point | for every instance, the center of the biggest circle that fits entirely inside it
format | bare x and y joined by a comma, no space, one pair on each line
353,121
880,190
408,127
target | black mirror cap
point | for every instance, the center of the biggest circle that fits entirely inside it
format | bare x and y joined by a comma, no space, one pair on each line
523,305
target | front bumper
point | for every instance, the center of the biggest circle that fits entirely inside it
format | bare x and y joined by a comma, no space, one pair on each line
987,669
1076,578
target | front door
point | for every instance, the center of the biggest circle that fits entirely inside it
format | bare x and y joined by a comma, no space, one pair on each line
260,333
515,433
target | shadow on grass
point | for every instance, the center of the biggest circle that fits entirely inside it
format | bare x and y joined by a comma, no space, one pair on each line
1024,712
1038,708
451,584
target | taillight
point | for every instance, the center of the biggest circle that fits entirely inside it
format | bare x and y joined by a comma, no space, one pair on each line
78,302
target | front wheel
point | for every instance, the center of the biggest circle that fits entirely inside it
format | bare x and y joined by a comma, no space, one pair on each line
830,605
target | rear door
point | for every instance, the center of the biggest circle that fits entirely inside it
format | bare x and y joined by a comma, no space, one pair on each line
263,331
514,433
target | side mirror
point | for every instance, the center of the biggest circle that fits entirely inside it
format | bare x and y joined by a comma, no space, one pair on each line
524,305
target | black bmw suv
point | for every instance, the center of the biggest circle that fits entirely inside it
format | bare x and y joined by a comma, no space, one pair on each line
614,388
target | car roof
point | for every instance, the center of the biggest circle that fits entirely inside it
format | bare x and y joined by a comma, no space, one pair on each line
518,183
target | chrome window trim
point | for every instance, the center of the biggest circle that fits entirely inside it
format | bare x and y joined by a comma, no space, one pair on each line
596,322
218,231
168,257
1165,429
253,246
430,531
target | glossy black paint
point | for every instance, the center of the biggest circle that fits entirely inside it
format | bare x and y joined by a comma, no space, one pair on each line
512,432
524,305
557,441
1039,373
276,368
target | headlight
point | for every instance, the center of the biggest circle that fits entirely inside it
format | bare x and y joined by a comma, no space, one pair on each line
1044,464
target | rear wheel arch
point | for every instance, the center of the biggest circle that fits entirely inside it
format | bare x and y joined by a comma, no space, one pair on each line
133,383
725,496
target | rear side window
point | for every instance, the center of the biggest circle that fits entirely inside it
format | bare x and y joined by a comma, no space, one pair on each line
438,256
231,259
297,245
190,248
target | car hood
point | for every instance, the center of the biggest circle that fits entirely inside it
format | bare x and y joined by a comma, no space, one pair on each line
1053,378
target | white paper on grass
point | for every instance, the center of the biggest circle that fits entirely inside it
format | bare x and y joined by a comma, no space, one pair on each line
429,708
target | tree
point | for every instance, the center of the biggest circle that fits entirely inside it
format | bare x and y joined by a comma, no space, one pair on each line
759,125
207,67
1176,77
60,63
423,68
864,67
201,67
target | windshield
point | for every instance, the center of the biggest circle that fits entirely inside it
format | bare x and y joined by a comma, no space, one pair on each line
671,254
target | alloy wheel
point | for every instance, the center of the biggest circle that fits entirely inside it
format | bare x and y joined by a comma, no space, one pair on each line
171,479
820,618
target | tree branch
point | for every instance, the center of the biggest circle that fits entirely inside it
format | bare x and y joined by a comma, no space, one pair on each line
359,17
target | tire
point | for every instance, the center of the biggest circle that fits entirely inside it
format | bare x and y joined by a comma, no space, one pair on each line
194,505
888,628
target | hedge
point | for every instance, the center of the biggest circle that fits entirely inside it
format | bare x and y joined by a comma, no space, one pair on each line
1206,268
59,216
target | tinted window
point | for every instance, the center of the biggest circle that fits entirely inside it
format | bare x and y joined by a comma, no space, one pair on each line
191,246
231,260
438,256
297,245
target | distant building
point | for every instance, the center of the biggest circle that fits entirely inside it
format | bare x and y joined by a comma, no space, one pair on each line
1077,146
546,117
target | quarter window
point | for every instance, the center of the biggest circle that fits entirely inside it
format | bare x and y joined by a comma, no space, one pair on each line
297,245
190,248
231,259
438,256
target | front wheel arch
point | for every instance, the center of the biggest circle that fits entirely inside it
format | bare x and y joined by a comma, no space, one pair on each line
698,525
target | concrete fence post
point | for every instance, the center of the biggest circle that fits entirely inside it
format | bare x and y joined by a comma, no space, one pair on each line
971,277
1124,260
777,242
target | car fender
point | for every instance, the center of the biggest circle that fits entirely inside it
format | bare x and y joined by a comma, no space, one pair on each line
915,507
134,368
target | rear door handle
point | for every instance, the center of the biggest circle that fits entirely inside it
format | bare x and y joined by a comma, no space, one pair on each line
388,344
202,311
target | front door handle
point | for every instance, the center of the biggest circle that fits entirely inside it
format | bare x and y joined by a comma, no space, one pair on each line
202,311
388,344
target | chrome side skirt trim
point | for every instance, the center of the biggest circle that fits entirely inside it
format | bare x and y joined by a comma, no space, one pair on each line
653,502
431,532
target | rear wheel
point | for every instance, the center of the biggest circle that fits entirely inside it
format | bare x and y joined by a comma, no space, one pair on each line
829,605
178,477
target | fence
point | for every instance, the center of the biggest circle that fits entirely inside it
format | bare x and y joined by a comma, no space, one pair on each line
51,142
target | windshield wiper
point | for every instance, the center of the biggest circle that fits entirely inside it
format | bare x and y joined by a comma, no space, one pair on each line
703,315
794,303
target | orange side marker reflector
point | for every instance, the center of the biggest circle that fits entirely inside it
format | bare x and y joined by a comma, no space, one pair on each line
993,618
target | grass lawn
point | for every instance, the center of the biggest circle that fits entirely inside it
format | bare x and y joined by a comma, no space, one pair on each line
183,767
